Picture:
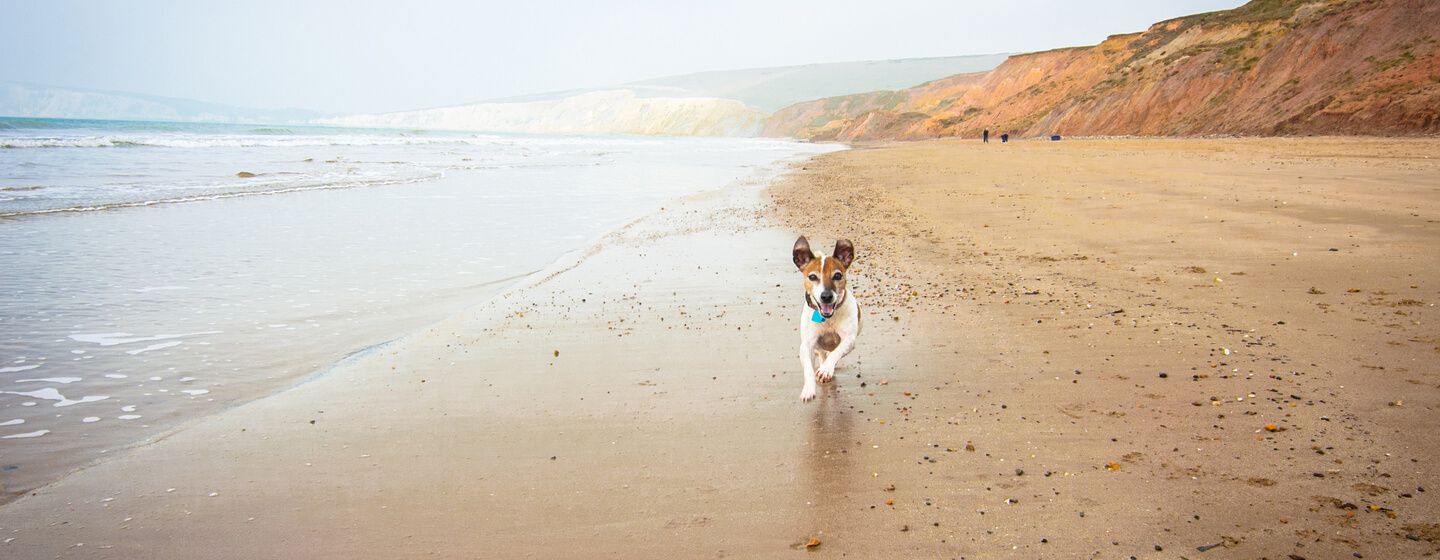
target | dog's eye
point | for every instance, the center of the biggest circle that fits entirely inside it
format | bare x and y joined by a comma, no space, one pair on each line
814,278
838,276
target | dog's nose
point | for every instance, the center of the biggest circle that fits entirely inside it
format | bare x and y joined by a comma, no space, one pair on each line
827,297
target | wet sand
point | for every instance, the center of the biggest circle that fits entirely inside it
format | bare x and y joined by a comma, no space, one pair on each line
1092,348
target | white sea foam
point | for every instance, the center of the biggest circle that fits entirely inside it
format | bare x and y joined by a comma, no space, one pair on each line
112,339
14,422
12,369
50,394
61,380
29,435
159,346
129,417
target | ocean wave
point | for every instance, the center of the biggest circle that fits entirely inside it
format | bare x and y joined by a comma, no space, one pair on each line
277,140
221,195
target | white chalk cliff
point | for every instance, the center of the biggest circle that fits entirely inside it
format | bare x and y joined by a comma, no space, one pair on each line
18,100
601,112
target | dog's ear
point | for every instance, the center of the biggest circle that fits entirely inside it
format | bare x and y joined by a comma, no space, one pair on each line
844,252
802,253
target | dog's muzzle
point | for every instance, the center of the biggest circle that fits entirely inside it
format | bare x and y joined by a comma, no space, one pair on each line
828,302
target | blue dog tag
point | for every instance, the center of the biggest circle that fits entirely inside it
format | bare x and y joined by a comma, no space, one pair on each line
817,317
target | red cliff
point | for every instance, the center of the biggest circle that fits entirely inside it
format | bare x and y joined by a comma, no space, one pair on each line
1270,67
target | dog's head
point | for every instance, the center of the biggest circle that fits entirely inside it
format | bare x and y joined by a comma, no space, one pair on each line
824,276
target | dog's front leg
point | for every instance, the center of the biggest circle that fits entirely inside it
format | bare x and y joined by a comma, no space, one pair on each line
807,369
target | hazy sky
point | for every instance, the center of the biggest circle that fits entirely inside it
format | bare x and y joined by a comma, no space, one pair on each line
371,56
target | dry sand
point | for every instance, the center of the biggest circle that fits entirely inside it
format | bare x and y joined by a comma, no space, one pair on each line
1095,348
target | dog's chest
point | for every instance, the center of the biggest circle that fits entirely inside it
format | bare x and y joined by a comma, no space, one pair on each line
827,333
828,341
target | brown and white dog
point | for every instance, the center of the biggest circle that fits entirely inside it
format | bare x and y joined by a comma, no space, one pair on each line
830,321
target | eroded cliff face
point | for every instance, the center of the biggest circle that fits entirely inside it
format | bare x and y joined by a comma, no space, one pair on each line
1271,67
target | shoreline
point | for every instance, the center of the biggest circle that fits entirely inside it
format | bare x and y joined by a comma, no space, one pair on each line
253,295
1023,304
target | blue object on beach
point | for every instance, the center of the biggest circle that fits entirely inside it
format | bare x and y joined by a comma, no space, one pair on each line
1055,138
817,317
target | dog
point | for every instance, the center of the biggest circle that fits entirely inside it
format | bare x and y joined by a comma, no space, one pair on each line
830,321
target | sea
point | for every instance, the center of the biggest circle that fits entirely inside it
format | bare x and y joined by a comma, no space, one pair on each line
154,273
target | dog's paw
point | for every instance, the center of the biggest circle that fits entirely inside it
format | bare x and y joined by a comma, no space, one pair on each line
825,372
808,393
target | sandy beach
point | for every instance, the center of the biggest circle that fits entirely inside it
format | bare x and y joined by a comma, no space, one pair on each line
1148,348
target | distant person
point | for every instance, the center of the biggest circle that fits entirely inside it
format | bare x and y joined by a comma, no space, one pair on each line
1004,138
986,136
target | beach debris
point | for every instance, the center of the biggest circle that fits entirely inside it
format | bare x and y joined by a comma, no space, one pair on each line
814,542
969,447
244,174
1113,466
1205,547
889,502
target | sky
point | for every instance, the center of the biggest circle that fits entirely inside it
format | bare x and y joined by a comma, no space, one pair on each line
362,56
